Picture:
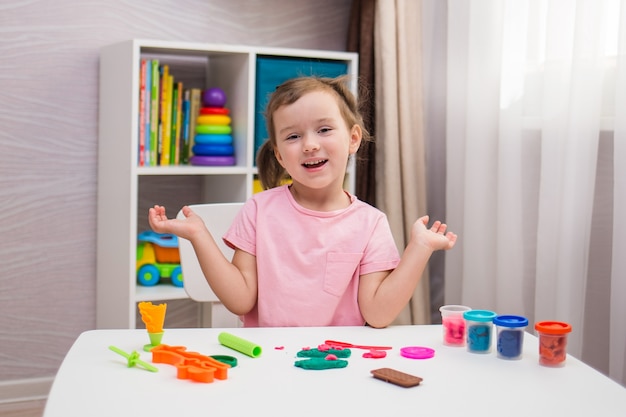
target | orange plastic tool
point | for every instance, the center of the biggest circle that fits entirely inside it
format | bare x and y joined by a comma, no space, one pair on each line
190,365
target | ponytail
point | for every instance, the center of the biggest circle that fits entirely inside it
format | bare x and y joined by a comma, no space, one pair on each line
270,172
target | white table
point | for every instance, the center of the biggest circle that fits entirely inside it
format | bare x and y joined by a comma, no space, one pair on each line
94,381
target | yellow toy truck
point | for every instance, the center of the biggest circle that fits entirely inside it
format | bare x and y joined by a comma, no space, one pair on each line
158,257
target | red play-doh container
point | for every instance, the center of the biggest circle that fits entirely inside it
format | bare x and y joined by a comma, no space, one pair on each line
552,342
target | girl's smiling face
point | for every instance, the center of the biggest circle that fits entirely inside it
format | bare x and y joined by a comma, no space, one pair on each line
313,142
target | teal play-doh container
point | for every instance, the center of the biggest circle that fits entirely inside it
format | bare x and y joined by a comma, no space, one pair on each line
479,326
510,336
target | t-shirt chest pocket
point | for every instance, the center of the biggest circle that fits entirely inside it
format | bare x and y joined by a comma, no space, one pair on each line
340,268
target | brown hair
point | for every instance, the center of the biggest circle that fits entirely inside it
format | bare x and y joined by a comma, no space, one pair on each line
271,173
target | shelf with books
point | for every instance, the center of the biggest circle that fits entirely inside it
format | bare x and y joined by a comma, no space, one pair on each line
171,106
129,181
192,170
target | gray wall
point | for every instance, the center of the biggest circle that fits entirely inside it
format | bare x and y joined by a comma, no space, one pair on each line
48,143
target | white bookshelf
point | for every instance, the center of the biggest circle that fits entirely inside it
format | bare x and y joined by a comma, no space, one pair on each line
125,190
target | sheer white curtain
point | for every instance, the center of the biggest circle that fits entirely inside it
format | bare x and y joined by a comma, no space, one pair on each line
536,166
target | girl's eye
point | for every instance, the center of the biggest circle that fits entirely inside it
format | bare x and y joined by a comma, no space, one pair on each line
292,137
325,130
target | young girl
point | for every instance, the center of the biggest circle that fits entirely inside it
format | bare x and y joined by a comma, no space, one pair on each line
310,253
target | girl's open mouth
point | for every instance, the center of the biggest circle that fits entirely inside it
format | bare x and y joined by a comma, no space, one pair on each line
315,164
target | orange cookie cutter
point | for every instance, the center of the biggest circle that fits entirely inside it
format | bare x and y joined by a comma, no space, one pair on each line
190,365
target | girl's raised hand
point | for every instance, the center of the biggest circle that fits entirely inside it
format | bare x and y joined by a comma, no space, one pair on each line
436,237
185,228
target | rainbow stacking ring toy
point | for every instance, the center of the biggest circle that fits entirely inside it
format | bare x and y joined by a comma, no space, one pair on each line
213,142
212,160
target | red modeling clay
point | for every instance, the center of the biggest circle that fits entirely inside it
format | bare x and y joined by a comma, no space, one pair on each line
336,344
375,354
331,357
279,347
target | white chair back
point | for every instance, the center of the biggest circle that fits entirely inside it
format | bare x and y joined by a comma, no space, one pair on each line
218,218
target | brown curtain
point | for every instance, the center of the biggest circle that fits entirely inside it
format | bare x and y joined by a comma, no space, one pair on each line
388,39
361,40
401,165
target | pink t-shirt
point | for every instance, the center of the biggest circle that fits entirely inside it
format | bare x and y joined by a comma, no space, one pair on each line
309,263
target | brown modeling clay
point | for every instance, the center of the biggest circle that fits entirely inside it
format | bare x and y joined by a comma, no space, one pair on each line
396,377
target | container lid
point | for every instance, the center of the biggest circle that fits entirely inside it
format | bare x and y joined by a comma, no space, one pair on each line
479,315
456,308
510,321
417,352
553,327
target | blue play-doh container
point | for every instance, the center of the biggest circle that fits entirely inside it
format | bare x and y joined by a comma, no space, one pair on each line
479,326
510,336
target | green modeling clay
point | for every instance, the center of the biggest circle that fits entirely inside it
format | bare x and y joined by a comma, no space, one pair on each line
316,353
239,344
321,363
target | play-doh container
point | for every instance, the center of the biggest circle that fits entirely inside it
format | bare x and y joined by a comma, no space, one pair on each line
453,324
479,329
510,336
552,342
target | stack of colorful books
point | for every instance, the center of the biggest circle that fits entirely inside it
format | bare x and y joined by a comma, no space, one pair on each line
166,113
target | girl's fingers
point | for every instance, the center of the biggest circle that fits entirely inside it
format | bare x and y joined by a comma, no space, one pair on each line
439,227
